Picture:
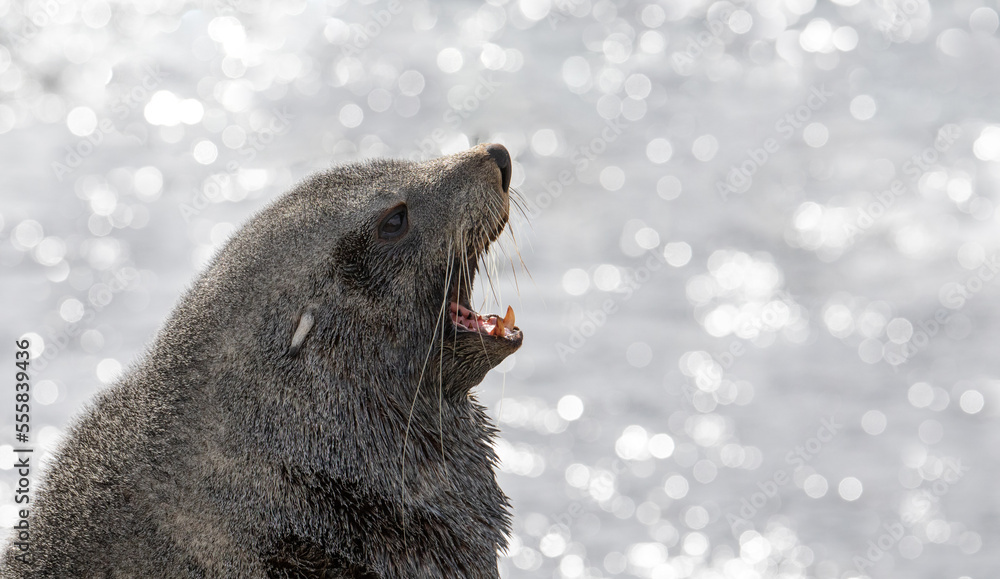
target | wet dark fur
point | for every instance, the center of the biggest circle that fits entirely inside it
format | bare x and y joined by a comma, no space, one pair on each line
224,452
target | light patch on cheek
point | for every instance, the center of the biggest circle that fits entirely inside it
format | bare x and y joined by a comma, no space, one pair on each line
305,324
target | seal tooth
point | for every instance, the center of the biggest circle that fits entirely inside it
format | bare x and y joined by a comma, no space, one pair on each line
508,320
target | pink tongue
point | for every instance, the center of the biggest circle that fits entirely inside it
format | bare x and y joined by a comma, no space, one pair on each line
470,320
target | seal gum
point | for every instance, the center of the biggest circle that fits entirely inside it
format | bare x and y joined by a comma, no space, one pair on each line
492,325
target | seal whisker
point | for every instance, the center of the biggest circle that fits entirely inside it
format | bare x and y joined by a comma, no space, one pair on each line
524,267
503,390
437,324
517,248
517,286
447,288
489,278
495,271
513,268
465,277
482,342
517,200
516,224
511,260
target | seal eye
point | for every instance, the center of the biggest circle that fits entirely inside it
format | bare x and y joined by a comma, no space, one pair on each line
394,225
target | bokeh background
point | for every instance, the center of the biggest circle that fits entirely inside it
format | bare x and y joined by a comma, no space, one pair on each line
759,252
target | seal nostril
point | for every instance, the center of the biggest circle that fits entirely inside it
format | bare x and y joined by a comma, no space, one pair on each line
500,155
502,159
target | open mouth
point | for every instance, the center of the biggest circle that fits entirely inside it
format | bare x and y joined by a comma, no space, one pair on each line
493,325
466,320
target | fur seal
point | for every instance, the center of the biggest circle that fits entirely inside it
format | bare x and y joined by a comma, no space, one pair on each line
305,411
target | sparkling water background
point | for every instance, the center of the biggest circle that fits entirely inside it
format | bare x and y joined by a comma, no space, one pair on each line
758,283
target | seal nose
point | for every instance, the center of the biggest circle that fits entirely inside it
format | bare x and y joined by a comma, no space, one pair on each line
502,158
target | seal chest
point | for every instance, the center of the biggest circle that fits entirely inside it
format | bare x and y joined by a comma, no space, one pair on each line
307,417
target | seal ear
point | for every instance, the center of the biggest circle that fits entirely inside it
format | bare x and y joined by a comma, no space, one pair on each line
301,331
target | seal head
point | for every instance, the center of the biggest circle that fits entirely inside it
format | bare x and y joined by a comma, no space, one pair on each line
307,409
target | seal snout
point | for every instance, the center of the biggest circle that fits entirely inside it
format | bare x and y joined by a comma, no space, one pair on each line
501,156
